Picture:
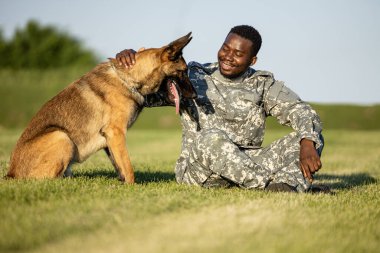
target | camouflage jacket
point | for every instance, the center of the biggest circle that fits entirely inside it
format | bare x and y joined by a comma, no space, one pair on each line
239,107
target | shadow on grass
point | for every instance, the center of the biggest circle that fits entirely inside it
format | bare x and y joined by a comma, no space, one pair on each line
346,181
154,176
141,177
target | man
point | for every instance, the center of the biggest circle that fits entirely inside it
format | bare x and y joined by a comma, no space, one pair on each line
223,128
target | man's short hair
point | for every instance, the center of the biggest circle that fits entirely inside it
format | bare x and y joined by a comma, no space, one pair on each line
250,33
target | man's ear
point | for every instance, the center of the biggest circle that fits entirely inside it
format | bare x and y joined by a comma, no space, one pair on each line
254,60
174,49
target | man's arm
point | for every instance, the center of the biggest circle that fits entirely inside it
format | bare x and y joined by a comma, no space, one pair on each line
289,109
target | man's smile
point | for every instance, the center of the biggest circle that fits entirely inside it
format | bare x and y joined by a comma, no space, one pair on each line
225,65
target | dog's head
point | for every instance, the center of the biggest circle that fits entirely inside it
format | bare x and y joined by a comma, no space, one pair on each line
159,68
175,68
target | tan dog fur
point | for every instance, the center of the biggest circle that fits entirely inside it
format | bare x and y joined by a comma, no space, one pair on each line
94,113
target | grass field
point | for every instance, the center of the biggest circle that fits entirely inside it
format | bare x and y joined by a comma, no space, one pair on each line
94,212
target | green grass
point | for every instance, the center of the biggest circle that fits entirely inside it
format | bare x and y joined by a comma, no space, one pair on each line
94,212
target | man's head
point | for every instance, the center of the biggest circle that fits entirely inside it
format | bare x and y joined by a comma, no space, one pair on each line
239,50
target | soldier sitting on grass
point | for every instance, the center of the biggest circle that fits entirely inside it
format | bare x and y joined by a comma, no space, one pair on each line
223,128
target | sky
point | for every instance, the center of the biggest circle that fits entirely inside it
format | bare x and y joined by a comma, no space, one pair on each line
327,51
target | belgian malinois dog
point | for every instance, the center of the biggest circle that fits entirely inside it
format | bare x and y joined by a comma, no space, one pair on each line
94,113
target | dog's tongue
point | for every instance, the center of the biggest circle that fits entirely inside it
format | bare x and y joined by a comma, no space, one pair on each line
174,92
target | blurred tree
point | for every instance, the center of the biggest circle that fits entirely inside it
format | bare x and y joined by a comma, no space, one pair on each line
3,50
37,46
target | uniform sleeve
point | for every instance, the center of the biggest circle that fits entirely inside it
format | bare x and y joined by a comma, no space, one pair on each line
290,110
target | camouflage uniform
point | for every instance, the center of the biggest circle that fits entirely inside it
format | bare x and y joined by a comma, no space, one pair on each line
223,130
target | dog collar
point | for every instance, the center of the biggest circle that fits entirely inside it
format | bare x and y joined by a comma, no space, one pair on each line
136,95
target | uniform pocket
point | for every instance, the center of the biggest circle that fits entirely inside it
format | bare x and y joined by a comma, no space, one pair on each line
241,103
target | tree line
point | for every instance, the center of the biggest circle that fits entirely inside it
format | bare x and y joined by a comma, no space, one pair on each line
37,46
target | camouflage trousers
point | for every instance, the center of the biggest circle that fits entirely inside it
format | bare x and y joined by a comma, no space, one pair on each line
215,157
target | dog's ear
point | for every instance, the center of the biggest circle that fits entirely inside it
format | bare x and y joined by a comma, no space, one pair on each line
174,49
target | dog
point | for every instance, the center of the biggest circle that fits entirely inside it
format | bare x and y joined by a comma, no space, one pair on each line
95,112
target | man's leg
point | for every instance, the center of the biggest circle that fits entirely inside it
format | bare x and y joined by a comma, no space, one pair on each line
282,158
216,159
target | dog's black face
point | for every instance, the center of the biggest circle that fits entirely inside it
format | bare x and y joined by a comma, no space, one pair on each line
180,87
184,85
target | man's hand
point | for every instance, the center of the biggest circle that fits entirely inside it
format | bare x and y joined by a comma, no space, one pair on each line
309,159
127,57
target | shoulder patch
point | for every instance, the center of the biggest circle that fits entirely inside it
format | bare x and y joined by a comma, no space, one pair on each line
194,64
207,67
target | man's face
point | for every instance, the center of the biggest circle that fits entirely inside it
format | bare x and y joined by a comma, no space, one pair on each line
235,56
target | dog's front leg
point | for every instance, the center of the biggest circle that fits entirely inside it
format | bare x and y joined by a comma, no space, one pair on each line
118,153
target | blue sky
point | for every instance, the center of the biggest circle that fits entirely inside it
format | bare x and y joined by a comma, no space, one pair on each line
325,50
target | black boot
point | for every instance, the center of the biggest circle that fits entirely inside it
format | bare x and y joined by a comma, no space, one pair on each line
280,187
